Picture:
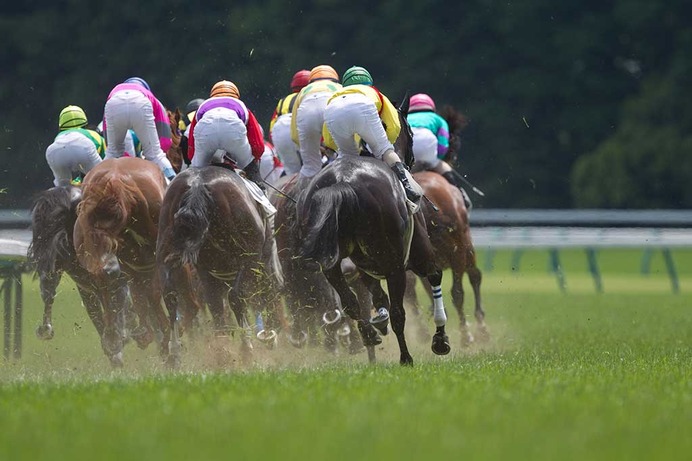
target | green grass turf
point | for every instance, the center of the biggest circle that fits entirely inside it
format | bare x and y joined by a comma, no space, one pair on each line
575,375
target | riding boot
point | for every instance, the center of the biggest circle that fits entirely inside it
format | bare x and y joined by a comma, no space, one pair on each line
253,174
400,169
449,176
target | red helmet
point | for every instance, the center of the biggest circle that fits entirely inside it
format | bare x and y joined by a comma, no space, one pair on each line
420,102
299,80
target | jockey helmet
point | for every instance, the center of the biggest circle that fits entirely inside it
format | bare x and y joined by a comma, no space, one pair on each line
193,105
72,117
224,88
138,81
357,75
299,80
323,72
420,102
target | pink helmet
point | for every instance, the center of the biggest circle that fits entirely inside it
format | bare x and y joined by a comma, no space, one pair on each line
420,102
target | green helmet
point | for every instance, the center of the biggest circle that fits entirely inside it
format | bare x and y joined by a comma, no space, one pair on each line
356,75
72,117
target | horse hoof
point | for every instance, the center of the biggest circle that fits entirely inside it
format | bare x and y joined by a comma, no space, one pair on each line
381,320
370,337
440,344
406,361
173,362
117,360
344,330
300,341
483,334
268,337
45,332
142,336
330,320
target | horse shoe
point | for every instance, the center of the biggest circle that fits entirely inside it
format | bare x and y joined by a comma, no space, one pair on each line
299,342
328,321
267,336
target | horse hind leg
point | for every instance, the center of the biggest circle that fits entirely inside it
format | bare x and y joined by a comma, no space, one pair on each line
458,300
92,303
352,308
440,342
397,285
49,284
475,277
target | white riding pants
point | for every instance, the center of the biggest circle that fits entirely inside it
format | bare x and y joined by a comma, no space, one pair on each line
425,148
286,149
70,153
221,129
309,121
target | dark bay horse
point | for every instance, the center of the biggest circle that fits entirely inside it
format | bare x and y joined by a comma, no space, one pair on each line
356,207
210,221
311,301
115,238
52,252
450,235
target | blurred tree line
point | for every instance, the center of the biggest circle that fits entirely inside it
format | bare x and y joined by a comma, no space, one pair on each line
570,103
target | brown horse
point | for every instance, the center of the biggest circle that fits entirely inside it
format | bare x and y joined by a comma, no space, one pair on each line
52,253
115,238
210,221
175,152
356,207
311,301
450,235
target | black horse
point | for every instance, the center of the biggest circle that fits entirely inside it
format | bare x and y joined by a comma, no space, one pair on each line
356,208
210,221
52,252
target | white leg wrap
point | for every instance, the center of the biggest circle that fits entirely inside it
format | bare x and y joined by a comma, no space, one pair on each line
439,314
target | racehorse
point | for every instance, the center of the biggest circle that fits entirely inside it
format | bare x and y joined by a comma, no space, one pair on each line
310,300
115,238
450,235
356,207
175,152
51,251
210,221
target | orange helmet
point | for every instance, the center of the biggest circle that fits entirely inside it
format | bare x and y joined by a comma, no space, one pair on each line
224,88
323,72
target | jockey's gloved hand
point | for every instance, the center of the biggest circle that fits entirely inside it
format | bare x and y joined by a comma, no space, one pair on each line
169,173
253,174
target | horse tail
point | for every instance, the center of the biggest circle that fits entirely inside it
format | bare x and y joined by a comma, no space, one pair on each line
327,209
191,222
52,216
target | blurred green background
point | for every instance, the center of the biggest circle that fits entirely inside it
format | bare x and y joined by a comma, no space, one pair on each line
570,104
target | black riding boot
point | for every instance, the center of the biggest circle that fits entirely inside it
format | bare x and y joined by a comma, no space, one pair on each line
400,169
449,176
253,174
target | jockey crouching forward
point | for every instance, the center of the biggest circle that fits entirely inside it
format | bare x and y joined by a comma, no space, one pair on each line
76,149
132,105
431,139
224,123
308,119
280,125
359,109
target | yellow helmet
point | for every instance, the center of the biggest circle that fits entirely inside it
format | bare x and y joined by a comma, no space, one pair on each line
224,88
323,72
72,117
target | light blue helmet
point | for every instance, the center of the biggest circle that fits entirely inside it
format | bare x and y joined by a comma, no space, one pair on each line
138,81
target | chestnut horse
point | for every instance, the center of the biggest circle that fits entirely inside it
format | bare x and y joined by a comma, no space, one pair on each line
210,221
51,252
450,235
115,238
175,152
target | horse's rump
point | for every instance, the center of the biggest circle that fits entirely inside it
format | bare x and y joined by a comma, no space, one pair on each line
53,215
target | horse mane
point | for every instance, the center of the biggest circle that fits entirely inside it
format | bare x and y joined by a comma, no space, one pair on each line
104,213
52,215
457,122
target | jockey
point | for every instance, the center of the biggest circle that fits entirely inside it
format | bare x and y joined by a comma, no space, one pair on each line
360,110
280,124
271,168
132,105
133,148
431,139
308,117
185,122
224,123
76,148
